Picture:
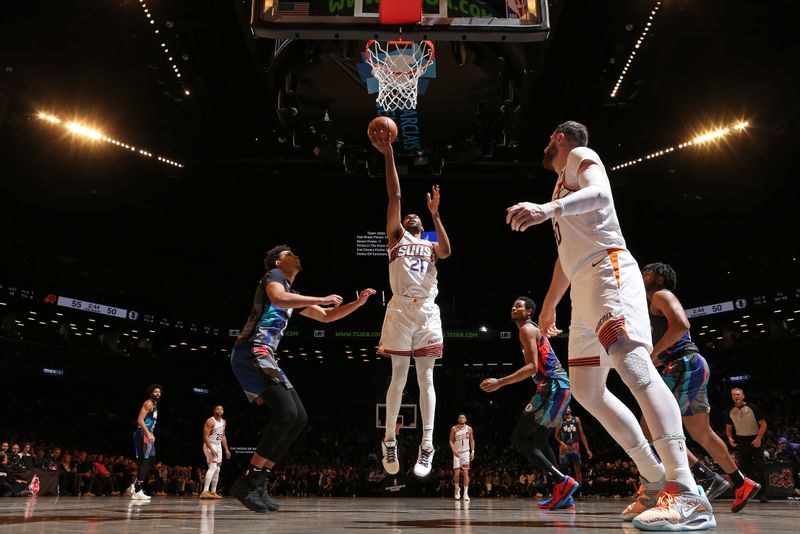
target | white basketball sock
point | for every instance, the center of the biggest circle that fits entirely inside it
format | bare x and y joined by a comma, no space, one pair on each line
212,469
427,398
394,395
660,411
215,479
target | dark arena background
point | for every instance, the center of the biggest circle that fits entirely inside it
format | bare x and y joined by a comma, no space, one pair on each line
151,151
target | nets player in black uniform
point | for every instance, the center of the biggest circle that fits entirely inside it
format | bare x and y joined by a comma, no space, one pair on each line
567,436
263,381
532,433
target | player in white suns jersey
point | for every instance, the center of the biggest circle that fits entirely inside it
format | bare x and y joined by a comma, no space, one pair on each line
462,443
610,328
213,443
412,326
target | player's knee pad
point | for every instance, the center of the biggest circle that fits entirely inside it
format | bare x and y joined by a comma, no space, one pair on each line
666,438
633,364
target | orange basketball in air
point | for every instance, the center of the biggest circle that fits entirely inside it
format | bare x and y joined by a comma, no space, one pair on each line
382,124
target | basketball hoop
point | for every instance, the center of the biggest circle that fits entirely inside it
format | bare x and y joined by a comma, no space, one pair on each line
398,67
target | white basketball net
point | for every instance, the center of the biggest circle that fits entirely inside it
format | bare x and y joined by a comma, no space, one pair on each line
398,66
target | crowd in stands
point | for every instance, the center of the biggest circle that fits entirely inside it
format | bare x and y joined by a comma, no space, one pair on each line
333,464
88,475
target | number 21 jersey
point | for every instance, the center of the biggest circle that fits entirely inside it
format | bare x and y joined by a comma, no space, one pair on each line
412,268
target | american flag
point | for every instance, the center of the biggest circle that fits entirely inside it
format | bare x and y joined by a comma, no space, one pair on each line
293,9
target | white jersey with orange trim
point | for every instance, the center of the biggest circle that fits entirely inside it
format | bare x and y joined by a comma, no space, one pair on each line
582,236
412,268
461,439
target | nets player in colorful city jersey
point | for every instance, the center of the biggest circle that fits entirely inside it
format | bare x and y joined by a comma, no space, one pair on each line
144,441
412,326
462,443
254,363
214,441
609,329
686,373
546,408
569,436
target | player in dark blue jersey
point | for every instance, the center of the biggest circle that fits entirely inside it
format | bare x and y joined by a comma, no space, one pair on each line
547,406
254,363
144,440
569,436
686,373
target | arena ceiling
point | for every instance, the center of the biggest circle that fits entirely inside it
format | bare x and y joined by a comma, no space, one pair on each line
245,130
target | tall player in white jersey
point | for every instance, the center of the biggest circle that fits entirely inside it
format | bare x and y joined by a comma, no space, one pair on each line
213,443
412,326
610,328
462,443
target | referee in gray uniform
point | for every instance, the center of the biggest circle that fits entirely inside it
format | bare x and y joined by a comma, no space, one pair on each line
750,426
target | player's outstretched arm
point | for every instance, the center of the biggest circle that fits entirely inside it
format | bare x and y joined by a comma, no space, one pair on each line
595,191
286,299
523,215
381,140
527,337
558,286
442,248
327,315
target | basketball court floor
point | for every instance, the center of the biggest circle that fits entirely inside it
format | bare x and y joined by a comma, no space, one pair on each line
55,515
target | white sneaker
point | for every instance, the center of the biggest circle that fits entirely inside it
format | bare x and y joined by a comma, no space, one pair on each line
424,462
390,462
140,496
131,490
678,509
457,496
466,493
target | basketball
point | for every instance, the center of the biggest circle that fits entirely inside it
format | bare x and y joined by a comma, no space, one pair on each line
380,124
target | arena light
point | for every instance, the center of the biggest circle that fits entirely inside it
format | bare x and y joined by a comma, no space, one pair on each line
163,45
647,28
84,131
49,118
697,140
87,132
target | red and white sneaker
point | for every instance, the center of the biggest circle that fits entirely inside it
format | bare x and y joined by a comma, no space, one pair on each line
563,491
746,491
